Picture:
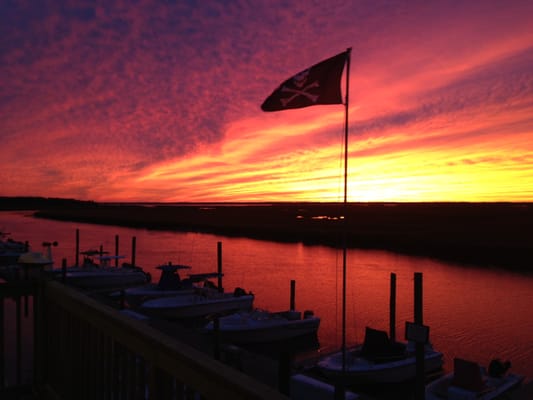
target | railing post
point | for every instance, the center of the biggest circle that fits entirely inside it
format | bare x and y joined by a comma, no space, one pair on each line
419,347
2,352
39,335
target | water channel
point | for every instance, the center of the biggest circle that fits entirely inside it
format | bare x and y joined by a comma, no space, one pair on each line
473,312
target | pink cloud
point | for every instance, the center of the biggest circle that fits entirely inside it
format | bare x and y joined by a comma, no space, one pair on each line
161,101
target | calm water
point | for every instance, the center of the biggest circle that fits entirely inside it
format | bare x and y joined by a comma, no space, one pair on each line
473,313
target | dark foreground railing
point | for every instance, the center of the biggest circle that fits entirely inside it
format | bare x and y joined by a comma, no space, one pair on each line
86,350
17,330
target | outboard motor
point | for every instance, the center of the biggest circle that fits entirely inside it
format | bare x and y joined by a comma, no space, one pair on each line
148,277
497,368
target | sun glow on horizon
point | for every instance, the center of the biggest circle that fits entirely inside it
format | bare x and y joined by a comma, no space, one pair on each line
422,168
123,107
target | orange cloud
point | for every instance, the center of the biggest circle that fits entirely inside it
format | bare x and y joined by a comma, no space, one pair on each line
161,102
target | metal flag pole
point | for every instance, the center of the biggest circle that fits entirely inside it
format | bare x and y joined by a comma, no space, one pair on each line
345,209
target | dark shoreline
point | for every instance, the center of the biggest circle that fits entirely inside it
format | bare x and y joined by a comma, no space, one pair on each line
496,235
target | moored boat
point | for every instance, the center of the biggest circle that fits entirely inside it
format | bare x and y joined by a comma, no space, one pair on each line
203,301
379,360
29,265
263,326
170,284
11,250
92,275
471,381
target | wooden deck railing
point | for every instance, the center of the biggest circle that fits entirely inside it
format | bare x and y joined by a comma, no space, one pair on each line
17,330
84,349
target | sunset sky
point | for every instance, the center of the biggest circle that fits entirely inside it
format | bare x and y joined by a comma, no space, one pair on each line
160,100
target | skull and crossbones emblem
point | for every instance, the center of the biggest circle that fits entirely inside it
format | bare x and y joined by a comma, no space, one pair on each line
301,88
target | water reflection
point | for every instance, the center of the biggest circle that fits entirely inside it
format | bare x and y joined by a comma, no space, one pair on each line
473,313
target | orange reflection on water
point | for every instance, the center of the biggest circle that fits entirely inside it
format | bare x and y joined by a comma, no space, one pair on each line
474,313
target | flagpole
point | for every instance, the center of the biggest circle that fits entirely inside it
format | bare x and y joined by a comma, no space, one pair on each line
345,209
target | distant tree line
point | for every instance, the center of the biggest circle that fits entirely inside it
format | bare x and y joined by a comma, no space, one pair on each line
39,203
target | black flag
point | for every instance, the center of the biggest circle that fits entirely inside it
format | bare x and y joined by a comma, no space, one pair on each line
319,84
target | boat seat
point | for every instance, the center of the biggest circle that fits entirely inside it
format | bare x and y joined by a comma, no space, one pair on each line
379,348
467,375
169,281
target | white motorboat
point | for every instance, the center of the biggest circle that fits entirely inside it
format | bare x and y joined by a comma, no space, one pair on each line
11,250
170,284
471,381
101,275
29,265
379,360
203,301
263,326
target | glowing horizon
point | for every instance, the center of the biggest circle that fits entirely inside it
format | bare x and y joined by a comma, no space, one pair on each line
161,103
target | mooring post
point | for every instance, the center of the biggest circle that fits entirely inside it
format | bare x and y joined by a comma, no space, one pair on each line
116,250
392,307
77,247
293,295
219,267
419,317
419,346
133,250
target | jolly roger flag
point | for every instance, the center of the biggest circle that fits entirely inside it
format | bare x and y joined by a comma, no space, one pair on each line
319,84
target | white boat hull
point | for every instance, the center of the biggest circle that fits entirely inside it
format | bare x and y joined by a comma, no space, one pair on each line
194,305
362,370
97,278
256,327
442,390
137,295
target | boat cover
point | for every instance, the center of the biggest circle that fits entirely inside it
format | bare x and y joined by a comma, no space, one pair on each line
378,347
467,375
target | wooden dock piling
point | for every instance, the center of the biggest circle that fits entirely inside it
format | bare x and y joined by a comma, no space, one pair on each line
77,247
392,307
133,250
293,295
219,267
116,250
